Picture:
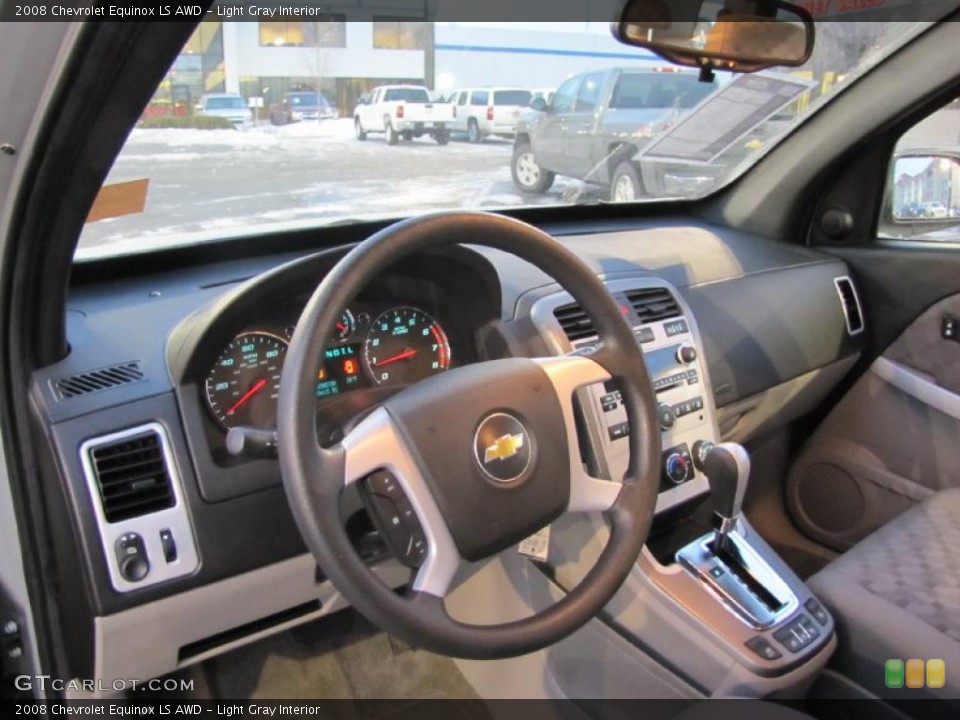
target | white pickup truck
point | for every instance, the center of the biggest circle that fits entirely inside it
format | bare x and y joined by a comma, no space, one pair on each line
402,111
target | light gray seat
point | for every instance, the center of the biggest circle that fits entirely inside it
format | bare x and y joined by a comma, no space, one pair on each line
896,594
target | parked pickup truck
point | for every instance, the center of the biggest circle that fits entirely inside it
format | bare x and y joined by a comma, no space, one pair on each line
402,111
595,124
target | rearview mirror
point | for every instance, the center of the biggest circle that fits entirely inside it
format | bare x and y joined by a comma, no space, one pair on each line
731,35
926,189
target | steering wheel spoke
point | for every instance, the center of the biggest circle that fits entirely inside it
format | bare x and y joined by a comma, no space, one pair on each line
374,445
568,374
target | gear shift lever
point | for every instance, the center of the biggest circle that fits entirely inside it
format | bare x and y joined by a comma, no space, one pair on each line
727,467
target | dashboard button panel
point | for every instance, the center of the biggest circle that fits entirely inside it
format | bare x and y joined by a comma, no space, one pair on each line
674,357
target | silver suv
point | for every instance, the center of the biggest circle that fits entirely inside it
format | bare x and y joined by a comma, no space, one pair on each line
480,112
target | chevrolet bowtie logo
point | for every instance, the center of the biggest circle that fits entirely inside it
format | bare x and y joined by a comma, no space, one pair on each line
503,448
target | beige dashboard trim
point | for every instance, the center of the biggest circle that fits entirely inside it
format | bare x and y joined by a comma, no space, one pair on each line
145,642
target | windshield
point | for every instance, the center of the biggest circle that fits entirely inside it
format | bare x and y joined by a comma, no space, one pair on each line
610,123
225,103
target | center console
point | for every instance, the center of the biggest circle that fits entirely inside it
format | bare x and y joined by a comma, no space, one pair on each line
667,333
720,593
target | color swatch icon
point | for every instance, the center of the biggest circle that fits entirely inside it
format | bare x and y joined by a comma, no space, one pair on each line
893,673
914,673
936,673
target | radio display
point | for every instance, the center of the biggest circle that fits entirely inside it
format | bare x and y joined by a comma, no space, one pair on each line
661,362
340,371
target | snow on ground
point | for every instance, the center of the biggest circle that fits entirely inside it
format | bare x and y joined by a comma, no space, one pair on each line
341,129
210,183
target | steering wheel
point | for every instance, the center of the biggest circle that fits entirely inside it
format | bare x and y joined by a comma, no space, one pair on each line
480,456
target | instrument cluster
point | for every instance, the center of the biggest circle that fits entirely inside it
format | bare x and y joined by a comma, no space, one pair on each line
372,347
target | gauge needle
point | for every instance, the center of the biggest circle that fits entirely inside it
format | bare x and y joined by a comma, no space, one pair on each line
408,353
257,387
341,327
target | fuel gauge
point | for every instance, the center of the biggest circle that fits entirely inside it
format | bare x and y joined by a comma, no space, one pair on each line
346,326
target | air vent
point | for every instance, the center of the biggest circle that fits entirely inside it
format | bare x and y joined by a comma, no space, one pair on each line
653,304
132,476
96,380
851,305
574,322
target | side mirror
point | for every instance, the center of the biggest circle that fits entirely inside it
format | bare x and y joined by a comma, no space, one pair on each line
539,104
719,35
925,190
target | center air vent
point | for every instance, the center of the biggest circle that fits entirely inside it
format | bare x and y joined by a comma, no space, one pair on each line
132,476
574,322
851,305
653,304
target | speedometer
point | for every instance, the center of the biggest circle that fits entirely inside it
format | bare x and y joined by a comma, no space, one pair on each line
404,345
244,383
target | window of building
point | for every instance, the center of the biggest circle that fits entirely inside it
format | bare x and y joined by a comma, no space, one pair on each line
331,31
197,70
397,34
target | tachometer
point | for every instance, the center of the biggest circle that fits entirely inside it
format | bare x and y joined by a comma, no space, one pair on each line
244,383
405,345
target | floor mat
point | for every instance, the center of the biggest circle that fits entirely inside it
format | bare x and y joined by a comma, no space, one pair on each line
340,657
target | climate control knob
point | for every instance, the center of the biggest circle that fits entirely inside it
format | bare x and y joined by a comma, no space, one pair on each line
686,354
676,468
666,415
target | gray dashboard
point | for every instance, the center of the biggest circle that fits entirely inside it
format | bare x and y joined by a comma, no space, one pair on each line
767,312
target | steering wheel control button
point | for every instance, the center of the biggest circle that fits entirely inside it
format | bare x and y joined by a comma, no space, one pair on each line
503,448
394,516
132,557
169,546
763,648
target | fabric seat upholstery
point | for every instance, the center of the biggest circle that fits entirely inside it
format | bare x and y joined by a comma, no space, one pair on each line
896,594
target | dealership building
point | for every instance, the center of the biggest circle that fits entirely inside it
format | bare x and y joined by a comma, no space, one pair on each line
346,54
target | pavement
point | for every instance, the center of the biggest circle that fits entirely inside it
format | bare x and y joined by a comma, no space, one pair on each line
213,182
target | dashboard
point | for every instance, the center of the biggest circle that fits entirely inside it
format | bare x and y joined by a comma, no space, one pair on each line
170,364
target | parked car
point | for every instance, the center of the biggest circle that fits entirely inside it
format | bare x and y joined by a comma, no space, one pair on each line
934,209
402,111
226,105
480,112
595,123
305,105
